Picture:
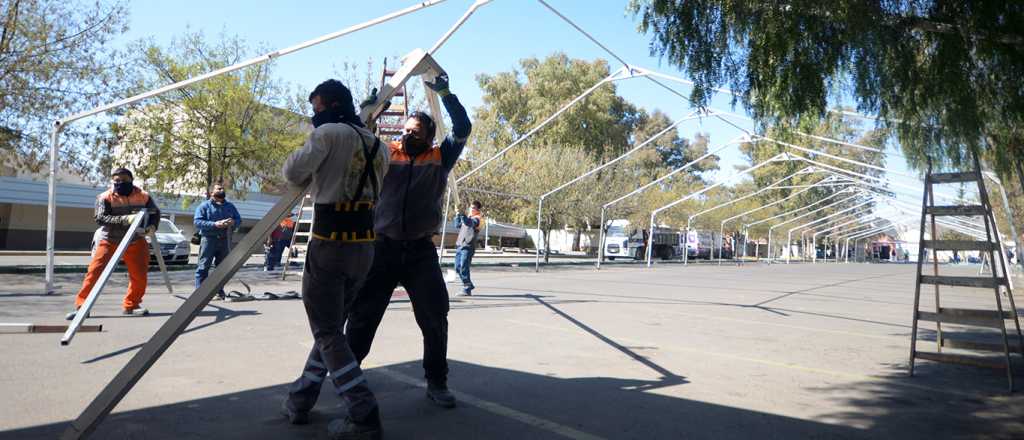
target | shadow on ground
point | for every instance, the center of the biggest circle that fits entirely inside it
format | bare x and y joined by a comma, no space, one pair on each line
495,403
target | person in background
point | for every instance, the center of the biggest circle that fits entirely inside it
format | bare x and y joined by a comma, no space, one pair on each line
115,211
215,219
465,245
280,238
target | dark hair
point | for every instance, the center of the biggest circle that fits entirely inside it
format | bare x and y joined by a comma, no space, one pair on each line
122,171
476,204
427,122
338,98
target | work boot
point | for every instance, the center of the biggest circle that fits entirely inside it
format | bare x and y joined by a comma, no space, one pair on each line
294,417
349,429
137,311
438,393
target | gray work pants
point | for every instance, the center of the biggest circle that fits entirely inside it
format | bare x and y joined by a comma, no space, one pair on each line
333,274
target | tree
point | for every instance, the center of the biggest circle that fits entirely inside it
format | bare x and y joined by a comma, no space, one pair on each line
675,151
592,132
235,128
54,61
945,75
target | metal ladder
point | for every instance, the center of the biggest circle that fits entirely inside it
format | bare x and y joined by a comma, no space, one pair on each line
300,236
392,120
997,280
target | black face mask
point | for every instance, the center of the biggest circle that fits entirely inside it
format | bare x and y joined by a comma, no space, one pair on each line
124,188
325,117
413,146
219,195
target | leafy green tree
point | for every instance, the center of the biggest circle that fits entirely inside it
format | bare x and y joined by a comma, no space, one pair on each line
945,75
235,128
592,132
55,60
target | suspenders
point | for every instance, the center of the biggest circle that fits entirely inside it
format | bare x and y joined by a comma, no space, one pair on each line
351,221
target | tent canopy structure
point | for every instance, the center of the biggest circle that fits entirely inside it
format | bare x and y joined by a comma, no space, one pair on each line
417,63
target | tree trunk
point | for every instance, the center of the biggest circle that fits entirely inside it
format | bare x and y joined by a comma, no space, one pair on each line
547,244
209,170
576,240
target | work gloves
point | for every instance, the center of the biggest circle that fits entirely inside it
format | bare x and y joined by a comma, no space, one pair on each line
372,99
439,86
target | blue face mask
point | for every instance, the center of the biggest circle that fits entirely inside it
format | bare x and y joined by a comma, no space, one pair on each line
124,188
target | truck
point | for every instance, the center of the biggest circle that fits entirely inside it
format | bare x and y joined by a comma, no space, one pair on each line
622,241
701,244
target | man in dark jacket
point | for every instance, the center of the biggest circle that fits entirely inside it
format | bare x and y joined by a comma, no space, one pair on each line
407,216
215,219
115,210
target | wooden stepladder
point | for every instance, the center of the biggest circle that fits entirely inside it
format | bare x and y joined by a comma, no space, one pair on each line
997,280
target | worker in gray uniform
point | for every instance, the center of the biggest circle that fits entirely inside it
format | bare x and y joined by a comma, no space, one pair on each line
346,163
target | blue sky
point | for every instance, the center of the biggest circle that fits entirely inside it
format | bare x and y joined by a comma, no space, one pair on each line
493,40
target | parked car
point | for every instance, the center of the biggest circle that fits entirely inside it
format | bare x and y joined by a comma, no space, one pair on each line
173,245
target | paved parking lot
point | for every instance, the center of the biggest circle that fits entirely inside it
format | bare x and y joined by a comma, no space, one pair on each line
757,351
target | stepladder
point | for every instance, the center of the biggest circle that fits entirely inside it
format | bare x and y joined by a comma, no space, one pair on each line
978,337
300,237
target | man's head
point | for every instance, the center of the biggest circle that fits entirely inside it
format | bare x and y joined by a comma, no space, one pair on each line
418,133
476,205
217,192
122,179
334,96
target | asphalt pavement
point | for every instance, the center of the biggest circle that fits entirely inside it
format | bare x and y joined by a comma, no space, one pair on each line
698,352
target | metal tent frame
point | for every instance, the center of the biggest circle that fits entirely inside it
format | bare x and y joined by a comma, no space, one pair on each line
417,63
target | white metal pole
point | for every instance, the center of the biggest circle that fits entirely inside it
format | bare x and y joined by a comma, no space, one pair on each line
458,24
650,239
58,125
51,209
600,240
621,156
444,224
615,76
540,236
83,311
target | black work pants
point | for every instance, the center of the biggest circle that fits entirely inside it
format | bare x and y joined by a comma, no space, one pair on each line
413,263
332,275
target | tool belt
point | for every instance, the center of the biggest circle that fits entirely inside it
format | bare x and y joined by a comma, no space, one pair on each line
350,222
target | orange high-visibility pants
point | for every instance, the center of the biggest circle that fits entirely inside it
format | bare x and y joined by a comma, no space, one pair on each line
136,259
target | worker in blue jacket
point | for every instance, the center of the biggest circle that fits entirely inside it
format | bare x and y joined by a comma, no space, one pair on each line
215,219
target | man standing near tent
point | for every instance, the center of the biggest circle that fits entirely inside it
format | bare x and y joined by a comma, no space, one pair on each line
115,210
346,163
465,245
408,215
215,219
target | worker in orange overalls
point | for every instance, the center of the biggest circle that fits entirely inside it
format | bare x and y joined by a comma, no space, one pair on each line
115,211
